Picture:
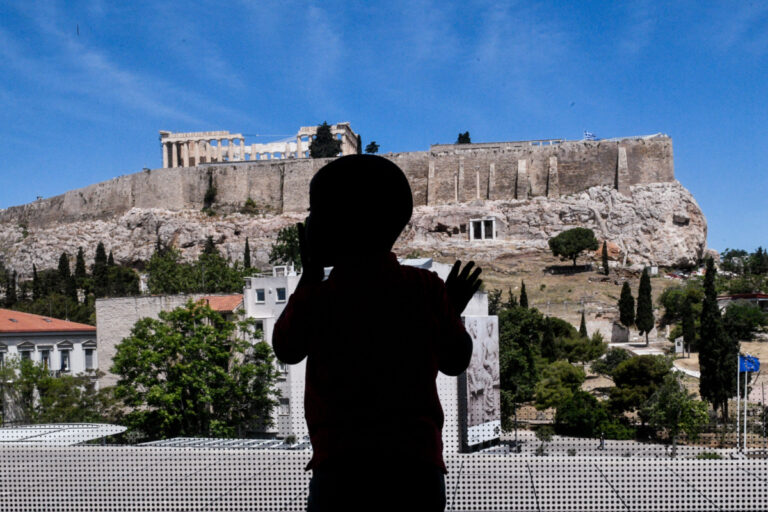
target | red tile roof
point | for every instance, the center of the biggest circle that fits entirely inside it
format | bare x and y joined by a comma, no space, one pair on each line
16,321
224,303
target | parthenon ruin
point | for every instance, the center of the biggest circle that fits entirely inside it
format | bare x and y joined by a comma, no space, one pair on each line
194,148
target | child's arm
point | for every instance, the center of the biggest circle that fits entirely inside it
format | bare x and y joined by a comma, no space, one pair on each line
456,344
290,338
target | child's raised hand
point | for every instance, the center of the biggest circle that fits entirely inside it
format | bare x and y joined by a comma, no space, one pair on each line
462,285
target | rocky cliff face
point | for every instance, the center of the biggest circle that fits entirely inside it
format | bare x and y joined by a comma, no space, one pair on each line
661,223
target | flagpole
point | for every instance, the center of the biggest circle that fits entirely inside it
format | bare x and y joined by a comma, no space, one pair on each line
738,404
746,379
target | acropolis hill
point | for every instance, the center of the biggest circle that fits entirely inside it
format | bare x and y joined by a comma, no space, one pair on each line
623,188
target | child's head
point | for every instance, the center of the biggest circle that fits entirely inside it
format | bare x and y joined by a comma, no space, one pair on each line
358,204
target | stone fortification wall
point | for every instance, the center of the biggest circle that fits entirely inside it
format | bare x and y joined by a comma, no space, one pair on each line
446,174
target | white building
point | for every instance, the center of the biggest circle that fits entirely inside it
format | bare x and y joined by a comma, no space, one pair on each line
264,299
62,346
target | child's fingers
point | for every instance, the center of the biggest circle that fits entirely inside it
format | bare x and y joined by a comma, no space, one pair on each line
465,272
454,271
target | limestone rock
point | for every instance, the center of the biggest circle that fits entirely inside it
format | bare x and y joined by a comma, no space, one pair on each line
645,227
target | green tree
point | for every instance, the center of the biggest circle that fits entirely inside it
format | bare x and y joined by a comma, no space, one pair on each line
742,320
523,295
359,144
604,256
580,348
66,285
494,301
549,349
559,381
123,281
167,274
193,373
636,379
644,317
80,271
718,351
324,145
463,138
612,359
570,243
10,289
758,262
583,326
285,250
734,260
372,148
581,416
110,260
247,255
674,409
37,289
99,273
519,339
689,325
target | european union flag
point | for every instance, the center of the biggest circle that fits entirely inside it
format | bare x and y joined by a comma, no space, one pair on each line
748,364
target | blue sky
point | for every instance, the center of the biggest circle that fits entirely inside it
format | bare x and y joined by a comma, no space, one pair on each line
85,86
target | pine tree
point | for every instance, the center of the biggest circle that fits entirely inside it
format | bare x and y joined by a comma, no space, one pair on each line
100,272
247,255
463,138
644,316
372,148
583,326
523,295
324,145
605,257
718,352
626,306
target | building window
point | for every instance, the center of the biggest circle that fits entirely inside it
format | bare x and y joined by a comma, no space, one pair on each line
45,358
64,360
89,359
281,295
2,358
482,229
259,295
26,355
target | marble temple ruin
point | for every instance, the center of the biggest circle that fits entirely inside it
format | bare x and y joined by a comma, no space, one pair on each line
190,149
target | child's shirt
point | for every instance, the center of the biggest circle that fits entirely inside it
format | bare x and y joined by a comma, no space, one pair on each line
375,339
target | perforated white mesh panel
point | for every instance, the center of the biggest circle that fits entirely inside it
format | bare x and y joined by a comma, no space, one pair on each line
161,479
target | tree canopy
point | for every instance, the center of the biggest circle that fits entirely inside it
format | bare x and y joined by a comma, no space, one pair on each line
559,381
636,380
285,250
572,242
674,409
324,145
463,138
644,317
372,148
193,373
626,306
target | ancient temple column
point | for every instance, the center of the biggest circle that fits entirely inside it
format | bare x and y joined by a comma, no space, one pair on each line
230,149
165,155
197,152
219,153
185,153
242,149
174,154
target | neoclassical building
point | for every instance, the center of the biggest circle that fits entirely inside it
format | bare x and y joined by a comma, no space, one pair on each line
62,346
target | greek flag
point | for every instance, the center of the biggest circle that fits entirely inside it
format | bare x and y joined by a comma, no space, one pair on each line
748,364
589,135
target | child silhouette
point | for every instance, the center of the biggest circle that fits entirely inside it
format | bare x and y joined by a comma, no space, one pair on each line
375,334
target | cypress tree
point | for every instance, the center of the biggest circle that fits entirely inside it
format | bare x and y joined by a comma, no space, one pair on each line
324,145
644,316
80,272
718,352
605,257
583,326
210,247
37,291
359,145
511,300
99,273
10,289
626,306
523,295
64,274
110,260
548,346
688,325
247,255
